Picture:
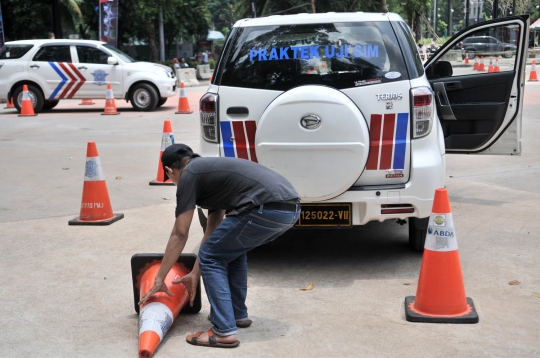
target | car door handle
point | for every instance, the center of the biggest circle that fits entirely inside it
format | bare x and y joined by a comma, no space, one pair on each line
452,85
34,66
443,102
82,68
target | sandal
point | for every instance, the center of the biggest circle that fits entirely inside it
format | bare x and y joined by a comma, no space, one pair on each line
240,324
212,342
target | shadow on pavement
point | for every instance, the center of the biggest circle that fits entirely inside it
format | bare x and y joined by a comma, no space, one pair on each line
336,258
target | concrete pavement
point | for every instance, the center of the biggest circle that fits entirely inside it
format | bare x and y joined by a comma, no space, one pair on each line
66,291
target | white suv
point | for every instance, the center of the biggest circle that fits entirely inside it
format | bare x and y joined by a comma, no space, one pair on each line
341,105
76,69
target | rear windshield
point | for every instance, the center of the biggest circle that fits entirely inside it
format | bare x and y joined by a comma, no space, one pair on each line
340,55
14,51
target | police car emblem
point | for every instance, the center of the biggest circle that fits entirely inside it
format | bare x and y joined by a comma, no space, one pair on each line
99,77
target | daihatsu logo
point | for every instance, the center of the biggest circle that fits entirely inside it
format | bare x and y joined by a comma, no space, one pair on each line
310,121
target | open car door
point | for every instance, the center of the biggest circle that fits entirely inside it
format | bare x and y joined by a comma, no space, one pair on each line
479,95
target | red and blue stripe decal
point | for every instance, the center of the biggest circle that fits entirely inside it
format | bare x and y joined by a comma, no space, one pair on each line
70,75
238,138
388,141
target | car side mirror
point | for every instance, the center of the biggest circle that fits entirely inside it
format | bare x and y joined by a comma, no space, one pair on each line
443,69
112,61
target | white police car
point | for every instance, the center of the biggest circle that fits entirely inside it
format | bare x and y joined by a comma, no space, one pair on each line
76,69
341,105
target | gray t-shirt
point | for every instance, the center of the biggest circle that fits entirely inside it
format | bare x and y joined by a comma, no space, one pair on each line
229,184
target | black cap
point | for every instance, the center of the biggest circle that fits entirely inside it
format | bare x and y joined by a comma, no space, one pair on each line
175,152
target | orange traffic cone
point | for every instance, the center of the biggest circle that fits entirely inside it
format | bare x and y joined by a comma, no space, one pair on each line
110,104
481,67
183,104
490,67
496,68
157,314
9,103
467,59
86,102
533,76
27,108
166,140
440,296
95,205
476,64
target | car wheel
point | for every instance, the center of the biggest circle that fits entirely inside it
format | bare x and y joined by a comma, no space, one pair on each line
508,53
50,104
35,95
162,101
471,54
417,233
144,97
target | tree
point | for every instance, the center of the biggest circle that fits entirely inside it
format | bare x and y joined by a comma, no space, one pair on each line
139,19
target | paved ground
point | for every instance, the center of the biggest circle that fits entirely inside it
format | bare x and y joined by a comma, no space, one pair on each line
65,291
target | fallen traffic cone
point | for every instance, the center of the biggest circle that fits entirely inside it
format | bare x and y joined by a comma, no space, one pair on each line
476,64
533,76
166,140
440,296
481,67
27,108
158,313
9,103
86,102
496,68
95,205
490,67
110,104
467,59
183,104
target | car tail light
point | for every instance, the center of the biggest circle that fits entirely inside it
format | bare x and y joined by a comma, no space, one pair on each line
422,111
208,107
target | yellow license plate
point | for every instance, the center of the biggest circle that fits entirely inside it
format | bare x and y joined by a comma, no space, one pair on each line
319,215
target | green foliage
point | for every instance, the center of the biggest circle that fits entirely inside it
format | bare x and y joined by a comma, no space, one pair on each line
212,63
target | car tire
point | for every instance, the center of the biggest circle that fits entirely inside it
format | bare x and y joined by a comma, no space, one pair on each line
161,102
144,97
35,95
417,233
50,104
508,54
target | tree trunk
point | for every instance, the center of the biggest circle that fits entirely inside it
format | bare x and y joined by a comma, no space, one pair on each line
382,6
417,26
153,46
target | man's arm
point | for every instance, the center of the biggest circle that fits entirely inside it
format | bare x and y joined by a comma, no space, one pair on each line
175,246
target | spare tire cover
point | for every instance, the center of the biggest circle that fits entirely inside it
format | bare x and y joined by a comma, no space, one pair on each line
317,138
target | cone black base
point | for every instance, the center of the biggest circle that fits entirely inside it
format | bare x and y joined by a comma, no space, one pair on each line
412,316
110,114
138,261
116,217
153,182
183,112
27,115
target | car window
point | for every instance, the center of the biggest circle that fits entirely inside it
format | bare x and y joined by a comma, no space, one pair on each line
341,55
14,51
498,58
91,55
53,54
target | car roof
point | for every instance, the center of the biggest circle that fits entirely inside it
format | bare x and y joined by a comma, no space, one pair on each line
319,18
59,42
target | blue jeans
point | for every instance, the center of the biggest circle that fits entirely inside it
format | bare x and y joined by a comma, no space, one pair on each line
223,261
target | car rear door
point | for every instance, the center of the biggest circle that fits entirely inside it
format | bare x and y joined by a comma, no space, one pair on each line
51,67
480,110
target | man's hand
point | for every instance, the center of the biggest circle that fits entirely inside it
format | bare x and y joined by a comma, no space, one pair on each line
190,282
159,286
